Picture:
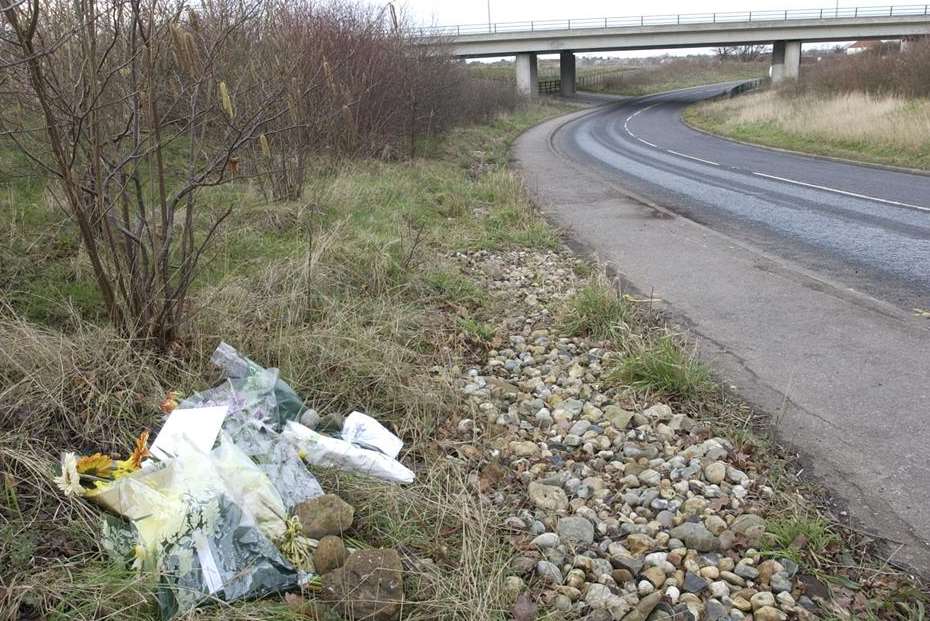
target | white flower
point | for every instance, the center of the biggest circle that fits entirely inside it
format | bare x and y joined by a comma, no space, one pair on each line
70,481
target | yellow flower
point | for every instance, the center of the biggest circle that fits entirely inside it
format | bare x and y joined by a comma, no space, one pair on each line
170,402
98,465
70,481
122,468
140,451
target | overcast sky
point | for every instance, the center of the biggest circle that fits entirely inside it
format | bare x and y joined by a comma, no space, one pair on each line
452,12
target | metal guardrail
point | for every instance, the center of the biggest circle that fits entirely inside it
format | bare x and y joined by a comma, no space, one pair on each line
911,10
584,80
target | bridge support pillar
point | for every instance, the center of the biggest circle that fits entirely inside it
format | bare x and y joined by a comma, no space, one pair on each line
907,43
786,60
527,82
567,74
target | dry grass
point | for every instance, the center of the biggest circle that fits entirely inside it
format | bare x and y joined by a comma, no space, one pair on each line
675,73
882,128
350,295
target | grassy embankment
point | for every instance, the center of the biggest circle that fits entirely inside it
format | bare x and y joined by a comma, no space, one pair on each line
651,77
872,128
353,296
681,73
871,107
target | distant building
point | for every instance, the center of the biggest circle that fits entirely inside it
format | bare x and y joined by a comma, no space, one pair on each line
863,46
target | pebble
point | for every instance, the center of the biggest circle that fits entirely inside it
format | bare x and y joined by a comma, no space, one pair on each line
633,508
695,536
546,540
597,595
762,599
576,531
779,583
768,613
548,497
715,472
719,589
549,572
694,583
747,572
714,610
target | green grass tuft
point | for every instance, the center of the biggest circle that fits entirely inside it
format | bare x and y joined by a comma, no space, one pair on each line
454,288
477,330
802,538
599,312
663,368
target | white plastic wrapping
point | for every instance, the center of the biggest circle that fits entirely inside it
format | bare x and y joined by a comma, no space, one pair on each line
327,452
365,432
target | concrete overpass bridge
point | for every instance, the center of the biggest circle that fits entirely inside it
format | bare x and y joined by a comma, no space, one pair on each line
786,30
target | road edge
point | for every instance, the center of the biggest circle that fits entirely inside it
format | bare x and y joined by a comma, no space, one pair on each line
726,366
814,156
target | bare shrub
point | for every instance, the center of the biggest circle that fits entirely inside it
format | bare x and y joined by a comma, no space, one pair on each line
877,72
139,110
132,108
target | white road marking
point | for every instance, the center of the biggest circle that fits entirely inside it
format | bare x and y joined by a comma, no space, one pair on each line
626,128
843,192
691,157
626,123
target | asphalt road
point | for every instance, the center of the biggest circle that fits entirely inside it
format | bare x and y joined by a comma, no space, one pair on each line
798,276
868,227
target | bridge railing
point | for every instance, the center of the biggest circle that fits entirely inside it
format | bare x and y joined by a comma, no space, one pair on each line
588,79
909,10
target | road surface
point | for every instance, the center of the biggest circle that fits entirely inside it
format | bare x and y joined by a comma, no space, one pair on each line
799,276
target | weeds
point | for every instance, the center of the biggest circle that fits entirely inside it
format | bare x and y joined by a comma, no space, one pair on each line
455,288
599,312
663,368
805,538
477,331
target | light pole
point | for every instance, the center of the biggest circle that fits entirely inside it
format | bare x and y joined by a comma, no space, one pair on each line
489,15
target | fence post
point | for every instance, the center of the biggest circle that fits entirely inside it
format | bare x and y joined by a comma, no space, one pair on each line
532,26
856,14
642,20
458,31
750,15
715,18
786,15
569,24
605,22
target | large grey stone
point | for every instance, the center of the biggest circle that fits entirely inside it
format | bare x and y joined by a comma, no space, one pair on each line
694,583
548,497
369,587
549,572
576,531
644,607
751,527
695,536
325,515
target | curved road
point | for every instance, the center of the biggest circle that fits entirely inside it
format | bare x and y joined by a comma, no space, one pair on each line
798,275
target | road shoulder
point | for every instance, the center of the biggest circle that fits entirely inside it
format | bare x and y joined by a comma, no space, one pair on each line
734,300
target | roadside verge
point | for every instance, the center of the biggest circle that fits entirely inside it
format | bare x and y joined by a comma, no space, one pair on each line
675,258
